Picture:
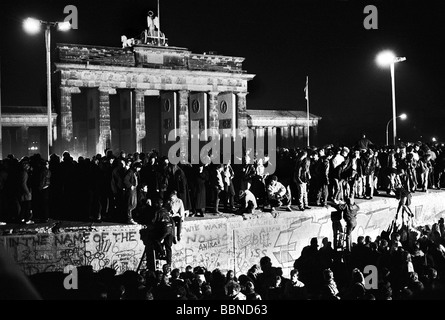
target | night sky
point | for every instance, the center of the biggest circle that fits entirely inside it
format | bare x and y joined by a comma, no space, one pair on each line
282,41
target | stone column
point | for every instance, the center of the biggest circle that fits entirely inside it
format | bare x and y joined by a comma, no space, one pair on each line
300,135
274,136
213,112
66,117
54,128
104,140
24,140
266,138
140,119
292,137
262,131
314,135
184,125
285,136
260,141
242,113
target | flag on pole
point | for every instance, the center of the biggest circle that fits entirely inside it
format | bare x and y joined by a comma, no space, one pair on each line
306,89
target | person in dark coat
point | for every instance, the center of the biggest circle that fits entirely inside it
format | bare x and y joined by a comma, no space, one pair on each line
199,190
349,210
106,194
248,172
164,234
25,194
131,181
70,187
180,184
95,186
117,187
149,176
41,181
229,189
56,190
164,178
217,186
295,289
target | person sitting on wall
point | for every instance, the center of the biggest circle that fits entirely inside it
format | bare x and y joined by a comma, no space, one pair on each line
176,208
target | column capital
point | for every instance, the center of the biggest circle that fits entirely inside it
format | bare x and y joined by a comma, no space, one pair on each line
67,89
213,93
241,94
108,90
184,91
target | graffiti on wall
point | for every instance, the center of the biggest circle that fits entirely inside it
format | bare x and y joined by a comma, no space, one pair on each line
46,252
204,243
251,242
120,250
224,243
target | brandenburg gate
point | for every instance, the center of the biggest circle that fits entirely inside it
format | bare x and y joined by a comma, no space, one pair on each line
130,98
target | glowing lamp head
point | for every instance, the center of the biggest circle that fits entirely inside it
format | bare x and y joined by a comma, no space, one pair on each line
64,26
403,116
31,25
385,58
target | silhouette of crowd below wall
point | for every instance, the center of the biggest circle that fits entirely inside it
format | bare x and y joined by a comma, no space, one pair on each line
410,265
100,188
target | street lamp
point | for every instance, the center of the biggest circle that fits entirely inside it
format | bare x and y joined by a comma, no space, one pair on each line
32,26
403,116
384,59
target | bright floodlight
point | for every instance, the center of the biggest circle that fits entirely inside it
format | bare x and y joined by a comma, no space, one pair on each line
64,26
403,116
31,25
385,58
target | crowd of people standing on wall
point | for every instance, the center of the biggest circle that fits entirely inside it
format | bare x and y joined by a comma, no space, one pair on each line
117,187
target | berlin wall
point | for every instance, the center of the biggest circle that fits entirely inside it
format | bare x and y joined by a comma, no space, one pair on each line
228,242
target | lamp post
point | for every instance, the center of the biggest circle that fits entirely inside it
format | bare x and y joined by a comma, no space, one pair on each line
384,59
32,26
403,116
